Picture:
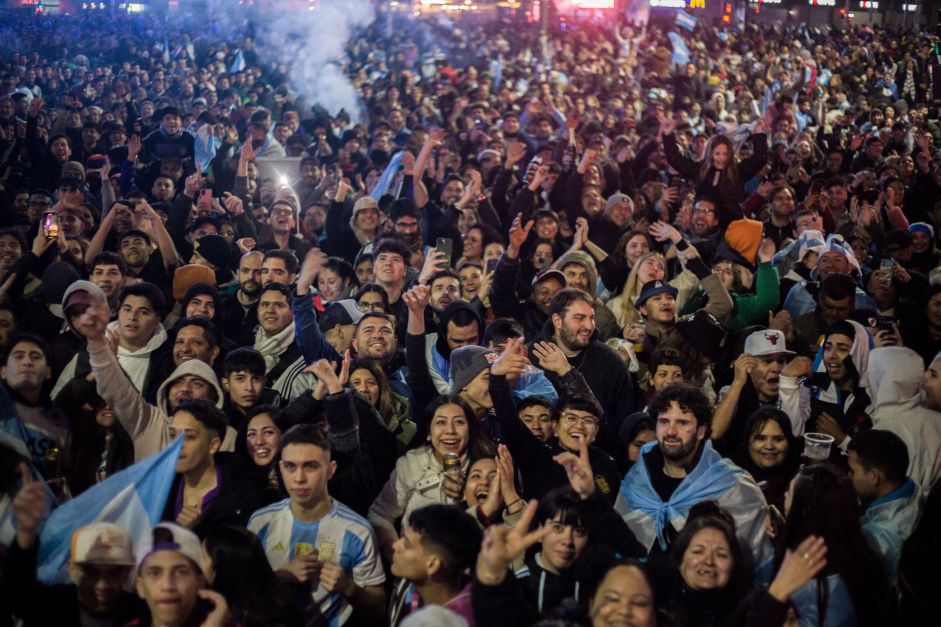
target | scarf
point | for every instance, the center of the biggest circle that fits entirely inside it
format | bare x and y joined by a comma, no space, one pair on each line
712,477
273,347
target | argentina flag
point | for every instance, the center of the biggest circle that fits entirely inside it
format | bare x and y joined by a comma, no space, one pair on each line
388,176
132,499
685,20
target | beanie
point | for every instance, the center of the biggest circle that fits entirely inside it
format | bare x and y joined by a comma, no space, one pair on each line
744,236
467,362
214,249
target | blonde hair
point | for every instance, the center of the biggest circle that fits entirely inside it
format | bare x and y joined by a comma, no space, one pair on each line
628,312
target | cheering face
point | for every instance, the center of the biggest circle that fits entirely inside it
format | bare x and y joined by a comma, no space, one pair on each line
375,338
836,350
575,426
768,447
624,597
479,480
538,419
330,284
263,438
449,431
766,376
707,562
99,586
274,312
635,248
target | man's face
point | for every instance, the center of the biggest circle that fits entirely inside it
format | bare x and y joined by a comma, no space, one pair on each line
543,293
273,270
137,320
931,385
274,312
477,391
664,375
444,291
135,251
783,203
390,268
834,310
452,192
244,388
660,308
281,218
60,149
70,222
678,434
171,124
199,443
874,149
306,469
375,338
10,250
169,583
191,343
705,217
409,560
99,586
547,227
408,228
766,375
162,189
575,326
188,387
836,349
576,275
620,214
109,278
575,425
864,481
538,419
26,367
808,222
832,262
592,202
462,336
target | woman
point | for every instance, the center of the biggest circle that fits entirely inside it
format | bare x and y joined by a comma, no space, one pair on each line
616,267
490,490
420,476
770,452
372,298
718,174
335,280
236,567
368,378
821,502
252,467
649,267
636,430
363,268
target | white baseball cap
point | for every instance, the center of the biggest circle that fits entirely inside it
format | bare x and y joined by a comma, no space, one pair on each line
102,543
768,342
167,536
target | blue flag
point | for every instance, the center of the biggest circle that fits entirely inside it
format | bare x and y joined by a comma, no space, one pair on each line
388,176
680,49
238,63
685,20
133,499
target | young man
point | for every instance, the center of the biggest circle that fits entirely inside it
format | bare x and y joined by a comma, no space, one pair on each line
390,262
878,462
338,324
438,546
275,340
665,368
681,469
536,413
140,334
100,561
171,579
195,339
243,379
108,272
279,266
317,542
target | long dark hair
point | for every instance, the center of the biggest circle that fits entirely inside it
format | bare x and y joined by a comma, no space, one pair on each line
753,426
708,515
478,443
244,577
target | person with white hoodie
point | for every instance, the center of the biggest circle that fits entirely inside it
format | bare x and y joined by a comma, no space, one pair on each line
898,406
145,423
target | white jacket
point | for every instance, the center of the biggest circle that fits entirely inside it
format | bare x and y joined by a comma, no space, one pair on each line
894,387
417,481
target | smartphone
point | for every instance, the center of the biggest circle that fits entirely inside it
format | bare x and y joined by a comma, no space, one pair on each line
677,182
885,324
492,265
50,225
205,197
887,264
446,246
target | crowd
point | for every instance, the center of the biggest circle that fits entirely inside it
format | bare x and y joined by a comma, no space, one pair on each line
601,329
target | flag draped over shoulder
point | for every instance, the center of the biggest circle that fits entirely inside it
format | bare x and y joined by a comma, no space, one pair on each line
133,499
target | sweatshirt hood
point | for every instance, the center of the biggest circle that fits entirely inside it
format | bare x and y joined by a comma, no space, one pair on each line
894,377
194,367
155,342
449,312
583,259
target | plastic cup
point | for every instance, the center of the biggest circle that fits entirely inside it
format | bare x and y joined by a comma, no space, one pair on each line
817,446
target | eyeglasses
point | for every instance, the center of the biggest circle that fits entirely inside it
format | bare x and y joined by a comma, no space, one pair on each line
705,210
572,419
371,307
282,212
406,226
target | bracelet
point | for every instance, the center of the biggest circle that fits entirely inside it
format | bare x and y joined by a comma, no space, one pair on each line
509,505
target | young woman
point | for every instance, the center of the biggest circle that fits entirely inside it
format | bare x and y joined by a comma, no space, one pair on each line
420,476
335,280
372,298
368,378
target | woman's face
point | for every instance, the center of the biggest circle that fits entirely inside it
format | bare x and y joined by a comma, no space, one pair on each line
494,251
330,284
636,247
624,597
563,544
720,156
768,447
465,221
651,269
263,438
473,244
364,271
365,383
105,417
470,280
921,242
449,432
707,562
633,449
479,479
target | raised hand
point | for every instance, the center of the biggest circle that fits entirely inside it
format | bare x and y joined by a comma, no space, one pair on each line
663,232
512,360
766,250
134,146
313,262
248,153
416,299
799,567
502,545
233,204
515,153
550,357
219,616
578,470
518,235
35,106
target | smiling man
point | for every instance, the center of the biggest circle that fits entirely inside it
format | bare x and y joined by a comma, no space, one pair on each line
275,340
681,469
321,546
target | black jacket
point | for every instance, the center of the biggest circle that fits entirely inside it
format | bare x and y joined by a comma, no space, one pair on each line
505,300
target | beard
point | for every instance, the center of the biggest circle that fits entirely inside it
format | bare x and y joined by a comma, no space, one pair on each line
572,341
250,288
676,451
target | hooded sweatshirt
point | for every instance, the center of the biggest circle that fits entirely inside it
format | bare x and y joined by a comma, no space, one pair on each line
145,423
136,363
894,387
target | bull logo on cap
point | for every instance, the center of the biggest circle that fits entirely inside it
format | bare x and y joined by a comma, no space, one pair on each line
773,338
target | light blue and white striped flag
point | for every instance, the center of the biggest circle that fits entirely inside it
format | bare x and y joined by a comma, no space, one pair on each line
680,49
238,63
133,499
685,20
388,176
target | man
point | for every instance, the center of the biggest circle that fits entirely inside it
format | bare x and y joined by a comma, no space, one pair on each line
140,334
835,300
146,424
459,324
279,266
170,140
390,265
571,327
28,414
281,233
532,312
432,557
704,232
236,308
878,461
779,226
836,258
580,272
445,289
314,541
195,339
171,579
243,379
681,469
536,413
755,385
134,246
338,324
275,340
101,558
108,272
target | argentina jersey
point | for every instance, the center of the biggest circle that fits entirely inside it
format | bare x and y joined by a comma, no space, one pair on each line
342,537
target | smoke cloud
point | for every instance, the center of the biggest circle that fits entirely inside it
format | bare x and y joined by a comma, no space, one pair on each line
311,46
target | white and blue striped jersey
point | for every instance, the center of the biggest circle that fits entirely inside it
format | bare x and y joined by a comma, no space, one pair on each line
342,536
